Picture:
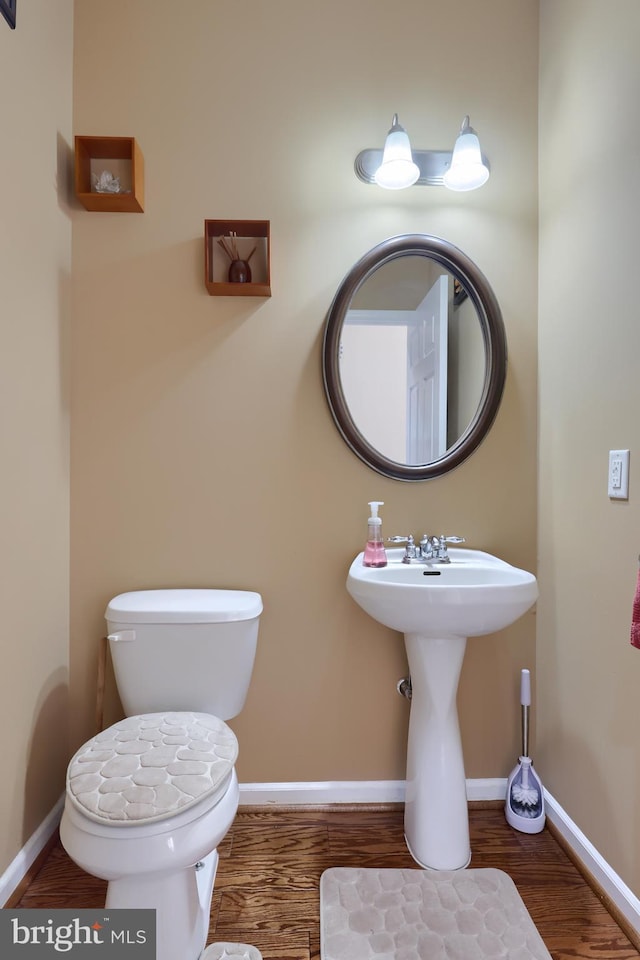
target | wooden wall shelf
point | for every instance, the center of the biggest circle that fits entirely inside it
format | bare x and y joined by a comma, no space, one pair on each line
249,234
122,157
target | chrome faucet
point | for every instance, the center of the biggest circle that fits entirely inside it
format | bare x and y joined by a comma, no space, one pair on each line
430,549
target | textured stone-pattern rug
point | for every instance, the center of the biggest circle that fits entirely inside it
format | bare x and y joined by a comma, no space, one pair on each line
425,915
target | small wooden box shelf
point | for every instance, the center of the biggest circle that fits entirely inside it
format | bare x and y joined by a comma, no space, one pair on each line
122,157
249,234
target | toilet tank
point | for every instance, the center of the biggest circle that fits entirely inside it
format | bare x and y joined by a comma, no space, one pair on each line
183,649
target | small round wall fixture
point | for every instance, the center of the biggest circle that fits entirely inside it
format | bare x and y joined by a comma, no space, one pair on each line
414,357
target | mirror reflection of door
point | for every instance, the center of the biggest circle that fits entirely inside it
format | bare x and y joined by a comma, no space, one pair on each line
412,363
406,351
427,377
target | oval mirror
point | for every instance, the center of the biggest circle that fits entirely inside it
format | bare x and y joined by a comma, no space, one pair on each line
414,357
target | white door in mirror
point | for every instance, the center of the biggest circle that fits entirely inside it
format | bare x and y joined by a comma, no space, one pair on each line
618,486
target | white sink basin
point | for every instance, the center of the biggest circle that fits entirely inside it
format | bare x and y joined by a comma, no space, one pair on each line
437,606
475,594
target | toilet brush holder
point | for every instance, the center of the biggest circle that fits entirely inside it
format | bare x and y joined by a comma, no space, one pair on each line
524,803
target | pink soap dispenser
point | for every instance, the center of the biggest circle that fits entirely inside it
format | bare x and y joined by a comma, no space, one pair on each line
374,552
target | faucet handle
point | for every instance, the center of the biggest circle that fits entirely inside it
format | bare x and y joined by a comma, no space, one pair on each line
410,550
441,546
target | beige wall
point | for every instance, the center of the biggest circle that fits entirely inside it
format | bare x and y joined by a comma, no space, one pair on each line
589,345
35,262
203,450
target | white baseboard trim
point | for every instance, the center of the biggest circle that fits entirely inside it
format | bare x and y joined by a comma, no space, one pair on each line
607,879
322,792
25,858
487,789
351,791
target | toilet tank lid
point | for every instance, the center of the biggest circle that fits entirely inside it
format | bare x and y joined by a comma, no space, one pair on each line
184,606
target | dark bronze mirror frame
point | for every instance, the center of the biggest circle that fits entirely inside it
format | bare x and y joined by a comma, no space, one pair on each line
8,11
480,293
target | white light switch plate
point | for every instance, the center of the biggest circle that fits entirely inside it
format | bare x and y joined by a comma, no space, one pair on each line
618,486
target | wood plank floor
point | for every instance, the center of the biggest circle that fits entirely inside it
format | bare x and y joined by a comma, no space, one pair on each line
267,888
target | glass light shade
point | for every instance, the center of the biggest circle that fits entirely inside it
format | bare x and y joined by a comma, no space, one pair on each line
397,169
468,170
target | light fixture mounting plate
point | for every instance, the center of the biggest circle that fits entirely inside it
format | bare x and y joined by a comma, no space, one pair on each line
432,165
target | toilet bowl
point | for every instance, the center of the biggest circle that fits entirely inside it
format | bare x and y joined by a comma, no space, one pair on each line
149,799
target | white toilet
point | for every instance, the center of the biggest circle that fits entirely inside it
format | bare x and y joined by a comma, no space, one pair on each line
149,799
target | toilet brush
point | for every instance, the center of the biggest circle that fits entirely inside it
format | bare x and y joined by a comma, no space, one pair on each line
524,804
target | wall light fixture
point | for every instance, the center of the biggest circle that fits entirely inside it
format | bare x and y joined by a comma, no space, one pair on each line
397,166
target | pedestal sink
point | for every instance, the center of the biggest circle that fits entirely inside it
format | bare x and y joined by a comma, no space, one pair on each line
437,606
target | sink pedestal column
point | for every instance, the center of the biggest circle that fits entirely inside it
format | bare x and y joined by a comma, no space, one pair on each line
436,818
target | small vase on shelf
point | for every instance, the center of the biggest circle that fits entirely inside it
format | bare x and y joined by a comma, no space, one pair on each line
239,272
239,269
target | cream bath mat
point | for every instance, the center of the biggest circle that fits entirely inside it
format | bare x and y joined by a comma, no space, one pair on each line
425,915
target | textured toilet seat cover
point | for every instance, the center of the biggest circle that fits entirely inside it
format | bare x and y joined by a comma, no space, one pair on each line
150,767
